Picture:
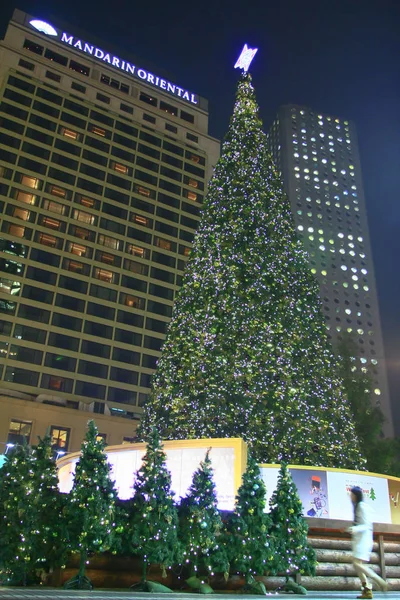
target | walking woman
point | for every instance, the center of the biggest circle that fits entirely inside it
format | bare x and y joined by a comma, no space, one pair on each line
362,541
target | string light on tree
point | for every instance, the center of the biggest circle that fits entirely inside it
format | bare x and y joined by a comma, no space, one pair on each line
246,353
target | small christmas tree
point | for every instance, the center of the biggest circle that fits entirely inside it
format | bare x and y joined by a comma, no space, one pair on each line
92,504
154,521
50,531
202,525
248,543
289,529
17,522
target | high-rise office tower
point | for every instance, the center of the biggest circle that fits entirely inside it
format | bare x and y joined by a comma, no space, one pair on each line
318,158
104,166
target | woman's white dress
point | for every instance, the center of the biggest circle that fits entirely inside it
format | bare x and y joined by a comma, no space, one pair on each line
361,533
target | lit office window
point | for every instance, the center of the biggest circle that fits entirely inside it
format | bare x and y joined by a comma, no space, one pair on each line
32,182
19,432
70,133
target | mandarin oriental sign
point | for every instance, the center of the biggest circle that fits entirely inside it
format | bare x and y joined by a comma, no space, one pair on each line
115,61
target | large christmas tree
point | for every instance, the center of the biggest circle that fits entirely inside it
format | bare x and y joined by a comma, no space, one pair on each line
246,352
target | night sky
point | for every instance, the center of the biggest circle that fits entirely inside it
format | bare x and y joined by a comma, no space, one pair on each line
340,57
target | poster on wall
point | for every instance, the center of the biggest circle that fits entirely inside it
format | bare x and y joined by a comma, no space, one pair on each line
375,492
312,487
394,499
326,493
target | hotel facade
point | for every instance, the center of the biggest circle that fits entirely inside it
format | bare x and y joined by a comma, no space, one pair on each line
317,156
103,170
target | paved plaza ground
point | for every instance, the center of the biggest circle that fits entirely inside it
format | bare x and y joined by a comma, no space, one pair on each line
61,594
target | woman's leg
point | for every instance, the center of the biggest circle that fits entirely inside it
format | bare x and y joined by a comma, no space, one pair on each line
358,566
363,571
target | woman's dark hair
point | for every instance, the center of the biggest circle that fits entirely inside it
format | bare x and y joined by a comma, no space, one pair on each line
358,493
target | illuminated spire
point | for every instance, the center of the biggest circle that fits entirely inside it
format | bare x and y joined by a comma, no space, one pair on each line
245,58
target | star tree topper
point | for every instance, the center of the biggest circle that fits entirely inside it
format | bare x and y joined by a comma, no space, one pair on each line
245,58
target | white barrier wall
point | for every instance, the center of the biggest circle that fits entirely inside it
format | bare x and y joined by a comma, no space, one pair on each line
323,492
228,459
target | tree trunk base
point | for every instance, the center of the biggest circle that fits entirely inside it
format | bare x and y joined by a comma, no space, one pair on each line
78,582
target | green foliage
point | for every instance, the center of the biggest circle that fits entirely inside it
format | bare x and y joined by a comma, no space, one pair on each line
91,507
289,529
382,454
47,504
154,517
246,353
17,520
248,543
201,524
32,533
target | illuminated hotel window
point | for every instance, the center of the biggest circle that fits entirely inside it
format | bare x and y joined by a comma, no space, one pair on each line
9,287
47,240
192,196
132,301
57,191
104,257
55,207
120,168
56,383
16,230
77,249
162,243
26,198
51,223
186,251
75,266
193,183
32,182
21,213
84,217
59,438
136,267
70,133
137,250
98,130
19,432
103,275
80,232
140,220
108,241
143,191
88,202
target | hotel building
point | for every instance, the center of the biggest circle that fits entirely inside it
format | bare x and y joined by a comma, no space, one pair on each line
318,158
103,170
